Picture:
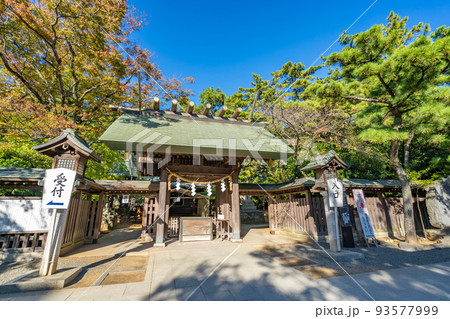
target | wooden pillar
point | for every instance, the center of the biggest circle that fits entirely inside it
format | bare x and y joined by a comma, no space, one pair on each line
277,212
146,220
331,223
308,201
271,212
167,214
98,218
154,214
90,225
218,199
225,201
235,210
54,241
162,197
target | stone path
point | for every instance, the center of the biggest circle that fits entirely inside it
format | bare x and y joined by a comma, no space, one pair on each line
228,271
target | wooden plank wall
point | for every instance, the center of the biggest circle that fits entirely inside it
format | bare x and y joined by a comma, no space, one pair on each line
308,215
296,214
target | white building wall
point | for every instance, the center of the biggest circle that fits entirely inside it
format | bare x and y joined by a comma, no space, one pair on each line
23,214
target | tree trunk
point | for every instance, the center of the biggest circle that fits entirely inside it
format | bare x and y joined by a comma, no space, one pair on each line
408,210
407,148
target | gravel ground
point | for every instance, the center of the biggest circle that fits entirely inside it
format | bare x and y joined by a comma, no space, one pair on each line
12,270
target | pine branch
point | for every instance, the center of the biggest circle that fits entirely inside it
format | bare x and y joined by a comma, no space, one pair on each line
364,99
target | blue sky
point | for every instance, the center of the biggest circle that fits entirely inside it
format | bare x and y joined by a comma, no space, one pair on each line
221,43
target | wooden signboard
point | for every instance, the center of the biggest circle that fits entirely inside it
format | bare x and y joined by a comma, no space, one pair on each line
364,217
347,232
196,228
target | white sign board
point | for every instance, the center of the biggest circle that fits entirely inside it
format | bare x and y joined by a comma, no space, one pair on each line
363,213
335,192
58,185
125,199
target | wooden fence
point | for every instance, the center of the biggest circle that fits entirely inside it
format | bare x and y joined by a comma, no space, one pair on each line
83,221
23,241
149,216
307,215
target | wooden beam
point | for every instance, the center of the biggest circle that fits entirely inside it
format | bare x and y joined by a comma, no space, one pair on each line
271,212
235,209
98,218
236,113
166,215
197,169
156,103
173,108
163,189
190,108
222,111
207,109
145,219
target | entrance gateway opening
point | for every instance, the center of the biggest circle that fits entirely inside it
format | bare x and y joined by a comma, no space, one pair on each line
184,153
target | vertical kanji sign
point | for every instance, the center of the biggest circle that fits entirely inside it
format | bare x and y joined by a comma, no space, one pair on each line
363,213
58,187
335,192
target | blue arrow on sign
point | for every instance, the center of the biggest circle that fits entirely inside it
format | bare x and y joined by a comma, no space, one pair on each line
57,204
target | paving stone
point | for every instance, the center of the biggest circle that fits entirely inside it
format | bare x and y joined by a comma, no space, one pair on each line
271,294
219,295
186,282
243,292
183,293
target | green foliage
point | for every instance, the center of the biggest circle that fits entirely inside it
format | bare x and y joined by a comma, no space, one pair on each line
215,97
22,155
364,167
396,81
113,162
274,173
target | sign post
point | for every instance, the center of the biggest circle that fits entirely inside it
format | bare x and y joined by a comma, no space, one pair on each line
347,230
335,196
364,217
58,185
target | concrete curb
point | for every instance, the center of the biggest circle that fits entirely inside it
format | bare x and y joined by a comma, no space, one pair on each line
55,281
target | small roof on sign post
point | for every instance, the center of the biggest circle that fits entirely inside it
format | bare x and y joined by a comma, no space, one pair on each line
70,138
321,161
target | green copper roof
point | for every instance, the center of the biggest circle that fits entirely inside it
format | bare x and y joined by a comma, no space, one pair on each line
321,160
21,173
154,131
308,182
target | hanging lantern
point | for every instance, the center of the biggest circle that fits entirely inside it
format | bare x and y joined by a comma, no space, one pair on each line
177,184
223,186
193,189
209,190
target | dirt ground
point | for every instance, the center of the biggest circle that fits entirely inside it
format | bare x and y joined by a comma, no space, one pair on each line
94,268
